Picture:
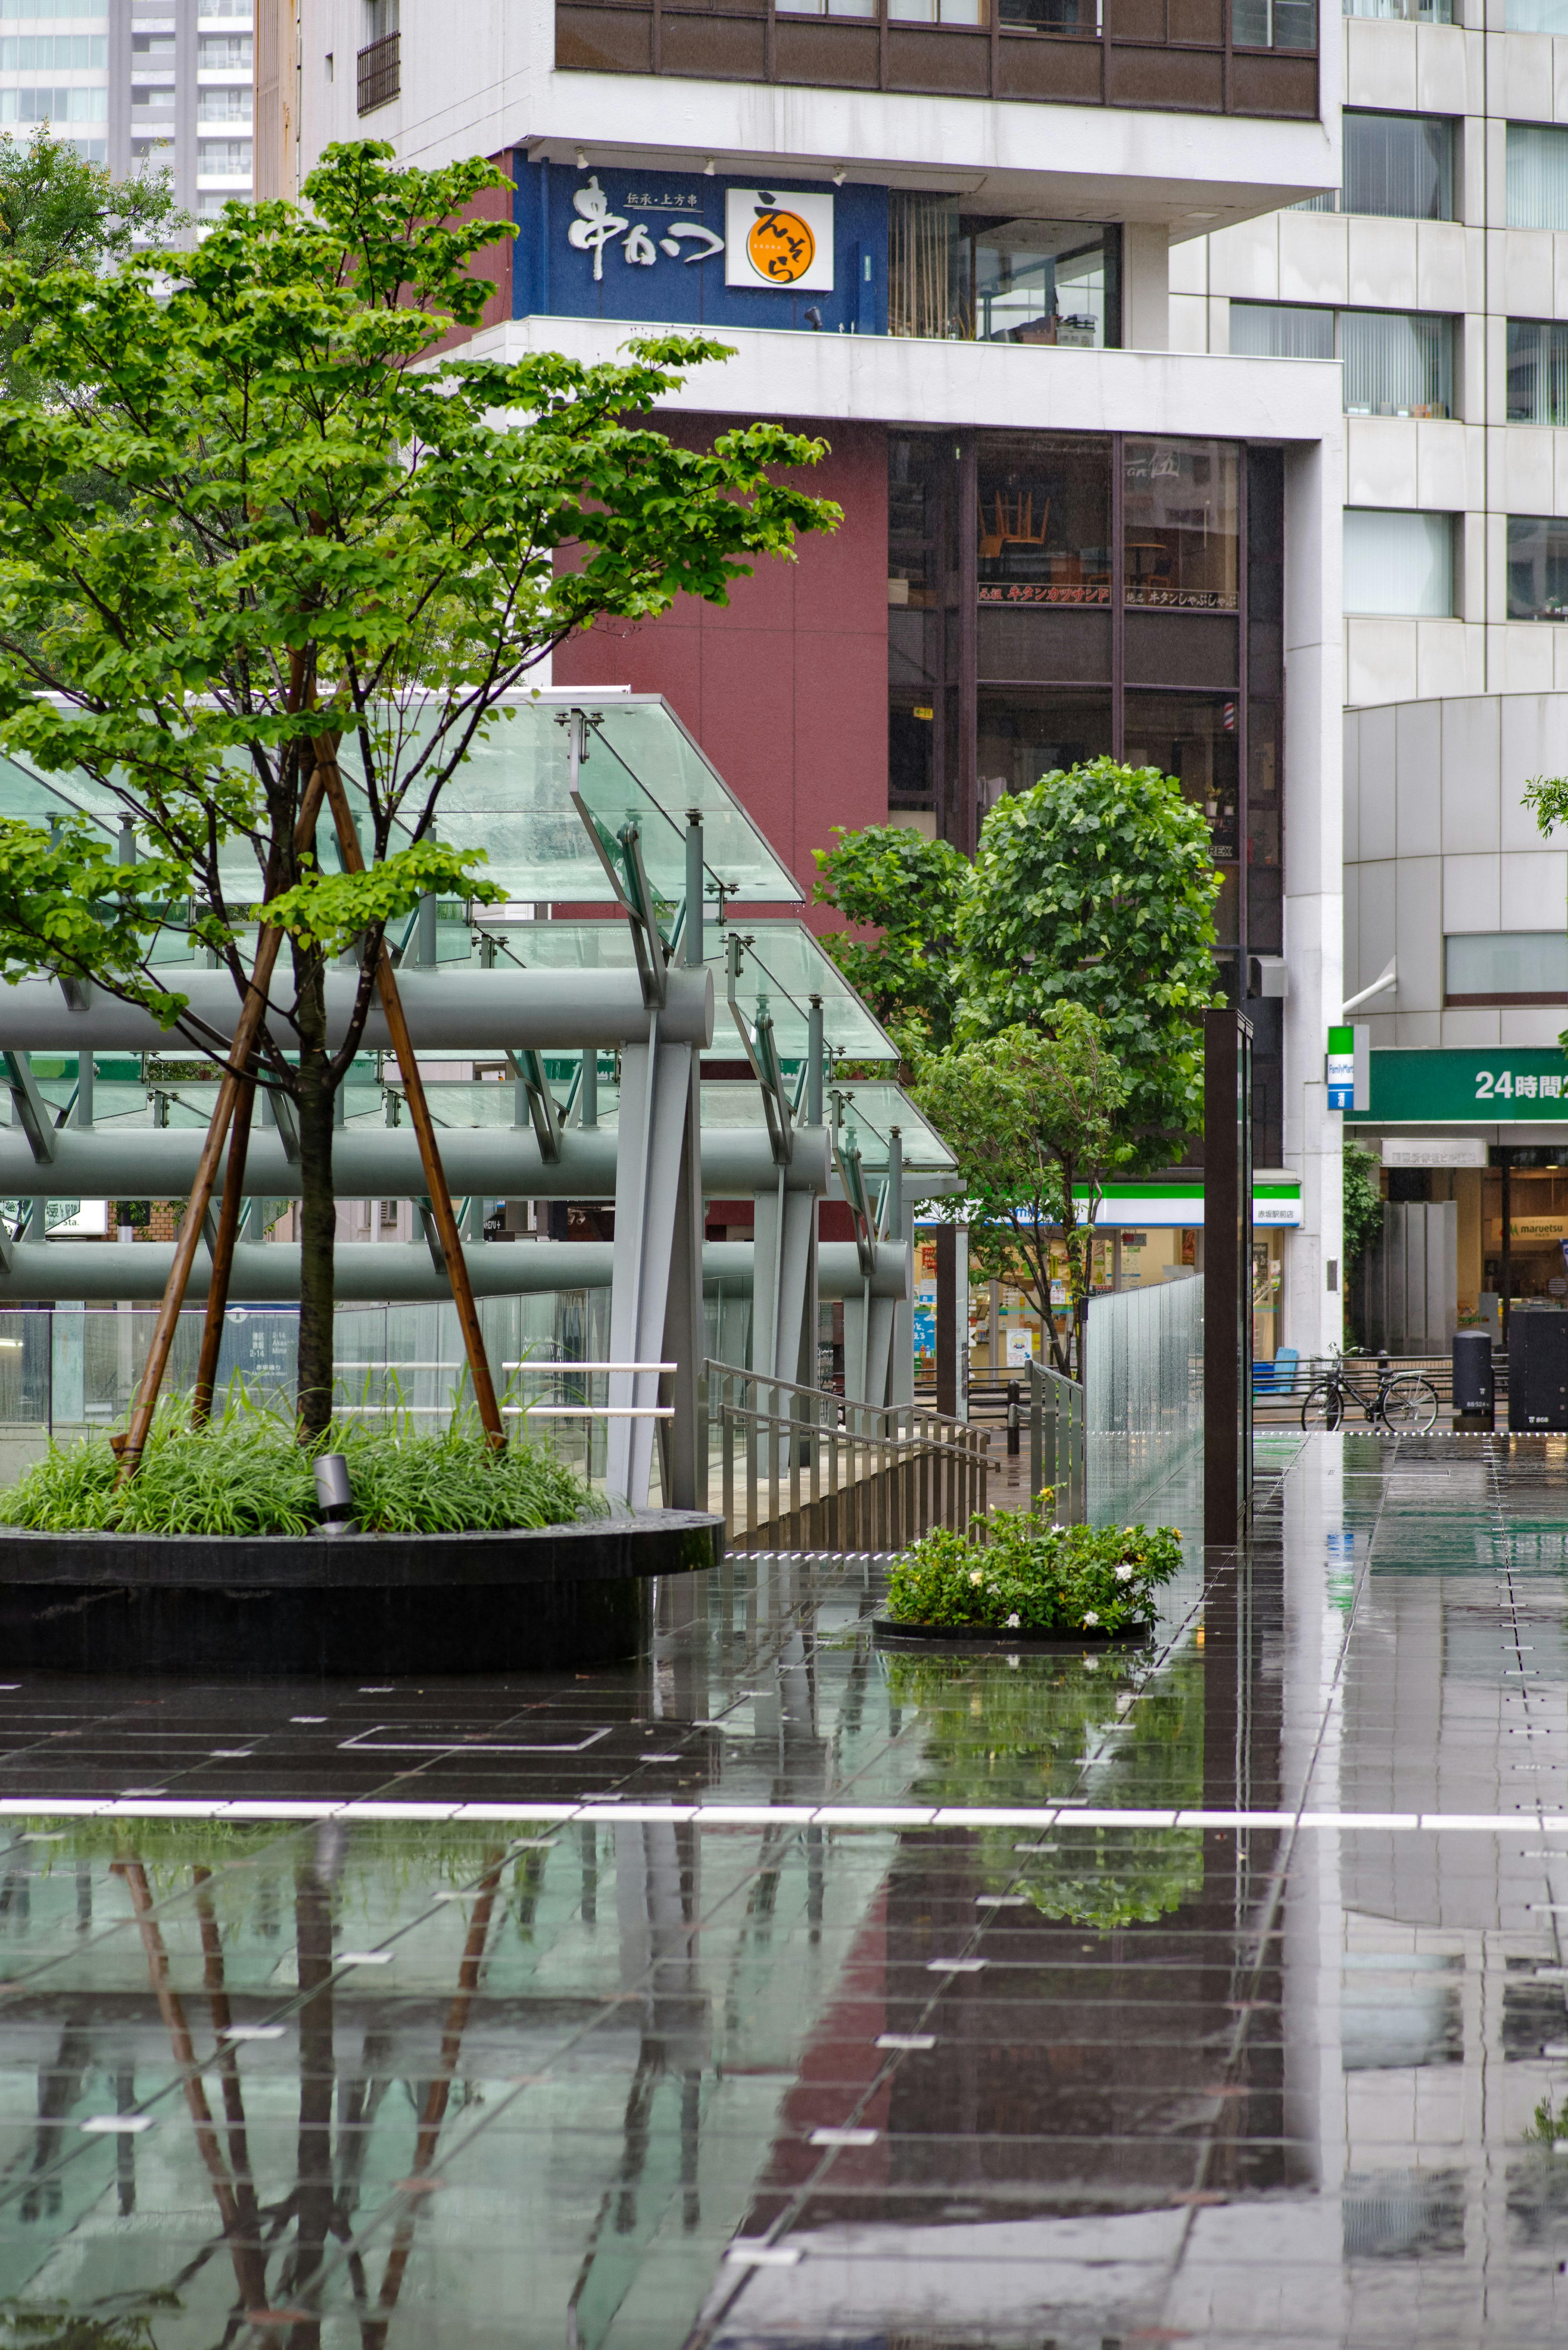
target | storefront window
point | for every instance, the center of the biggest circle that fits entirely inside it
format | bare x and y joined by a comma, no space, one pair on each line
1043,511
1027,732
1193,736
988,278
1179,530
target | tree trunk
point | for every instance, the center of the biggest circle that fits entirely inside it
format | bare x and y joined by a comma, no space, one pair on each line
318,1205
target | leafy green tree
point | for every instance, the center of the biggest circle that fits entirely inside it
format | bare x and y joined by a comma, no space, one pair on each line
1097,887
59,212
1032,1117
908,888
1363,1209
304,534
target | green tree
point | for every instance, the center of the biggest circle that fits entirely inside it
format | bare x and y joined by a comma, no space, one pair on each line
891,878
59,212
1363,1210
303,531
1032,1118
1097,887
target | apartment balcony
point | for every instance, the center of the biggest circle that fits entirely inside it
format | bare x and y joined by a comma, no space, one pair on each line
379,73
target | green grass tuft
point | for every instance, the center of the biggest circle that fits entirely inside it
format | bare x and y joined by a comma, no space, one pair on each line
247,1473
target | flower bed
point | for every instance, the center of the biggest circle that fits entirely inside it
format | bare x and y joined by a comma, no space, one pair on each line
1029,1576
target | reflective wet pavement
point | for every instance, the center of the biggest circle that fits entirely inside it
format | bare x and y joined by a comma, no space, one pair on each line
777,1990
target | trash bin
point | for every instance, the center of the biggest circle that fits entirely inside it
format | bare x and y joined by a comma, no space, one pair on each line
1474,1402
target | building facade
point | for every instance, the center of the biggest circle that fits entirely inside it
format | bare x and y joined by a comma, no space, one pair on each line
938,235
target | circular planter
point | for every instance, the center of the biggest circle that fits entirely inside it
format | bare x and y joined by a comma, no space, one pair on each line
281,1605
981,1637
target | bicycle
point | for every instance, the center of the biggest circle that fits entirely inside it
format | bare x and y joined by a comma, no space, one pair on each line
1404,1403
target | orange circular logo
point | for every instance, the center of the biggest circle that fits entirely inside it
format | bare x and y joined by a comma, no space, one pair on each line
781,247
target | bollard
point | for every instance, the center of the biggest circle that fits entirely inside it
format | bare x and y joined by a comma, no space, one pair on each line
1475,1405
334,1496
1013,1418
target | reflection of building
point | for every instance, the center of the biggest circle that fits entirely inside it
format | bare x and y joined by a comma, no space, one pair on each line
1060,537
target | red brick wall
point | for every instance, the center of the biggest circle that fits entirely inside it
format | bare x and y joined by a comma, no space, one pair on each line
785,687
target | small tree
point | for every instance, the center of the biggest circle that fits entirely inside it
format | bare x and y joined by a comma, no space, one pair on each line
1363,1213
1032,1118
302,533
1097,888
59,212
908,888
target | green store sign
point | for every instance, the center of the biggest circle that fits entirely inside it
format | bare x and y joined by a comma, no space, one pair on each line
1492,1088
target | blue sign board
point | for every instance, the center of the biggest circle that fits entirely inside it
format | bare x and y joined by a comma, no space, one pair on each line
648,245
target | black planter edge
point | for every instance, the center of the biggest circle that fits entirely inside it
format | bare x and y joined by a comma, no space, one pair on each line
891,1635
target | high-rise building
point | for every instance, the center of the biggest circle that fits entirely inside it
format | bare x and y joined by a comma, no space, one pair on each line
138,85
938,233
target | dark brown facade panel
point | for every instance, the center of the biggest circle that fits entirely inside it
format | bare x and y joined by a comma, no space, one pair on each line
1063,644
716,48
1262,83
949,64
1036,64
1198,20
829,53
1182,649
1192,82
590,39
1136,20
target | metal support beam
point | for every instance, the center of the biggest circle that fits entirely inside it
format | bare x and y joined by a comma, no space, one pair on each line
656,1080
30,1110
686,1435
785,1289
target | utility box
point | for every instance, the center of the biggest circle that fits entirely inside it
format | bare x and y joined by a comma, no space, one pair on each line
1537,1372
1474,1397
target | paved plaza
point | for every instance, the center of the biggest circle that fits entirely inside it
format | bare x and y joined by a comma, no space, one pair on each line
779,1988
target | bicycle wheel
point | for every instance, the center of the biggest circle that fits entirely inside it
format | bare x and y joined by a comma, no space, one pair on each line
1409,1405
1324,1406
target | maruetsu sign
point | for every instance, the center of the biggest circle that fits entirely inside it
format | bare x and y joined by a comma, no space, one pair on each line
1524,1085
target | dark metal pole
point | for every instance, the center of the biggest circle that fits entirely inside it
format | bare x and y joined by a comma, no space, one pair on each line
947,1321
1505,1159
1227,1287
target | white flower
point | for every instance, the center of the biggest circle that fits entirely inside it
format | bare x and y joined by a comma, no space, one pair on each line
1089,1617
976,1576
1124,1575
1012,1621
1013,1662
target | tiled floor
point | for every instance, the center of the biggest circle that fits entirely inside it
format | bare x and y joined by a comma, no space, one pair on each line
777,1990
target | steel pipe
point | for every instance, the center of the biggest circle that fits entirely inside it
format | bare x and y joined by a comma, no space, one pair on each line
456,1012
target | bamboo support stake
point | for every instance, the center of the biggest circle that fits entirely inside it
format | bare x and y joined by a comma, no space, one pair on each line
436,1190
252,1013
228,1216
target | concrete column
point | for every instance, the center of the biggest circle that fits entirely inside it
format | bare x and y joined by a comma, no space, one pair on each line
1146,287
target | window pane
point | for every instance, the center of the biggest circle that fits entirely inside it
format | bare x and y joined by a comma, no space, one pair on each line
1400,165
1537,176
1396,363
1273,24
1403,12
1280,330
1537,16
1193,737
1537,371
1398,563
1051,16
1034,281
1027,732
922,264
1537,567
1179,509
1044,519
1497,964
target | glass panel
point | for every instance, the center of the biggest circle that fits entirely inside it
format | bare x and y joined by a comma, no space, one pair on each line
1281,330
922,264
1044,519
940,12
1192,736
1052,15
1027,732
1403,12
1273,24
1398,563
1537,16
1537,567
1537,372
1396,363
1537,176
1179,509
1497,964
1034,281
1400,165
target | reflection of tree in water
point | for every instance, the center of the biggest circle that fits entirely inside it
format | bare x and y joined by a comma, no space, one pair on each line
997,1733
59,2329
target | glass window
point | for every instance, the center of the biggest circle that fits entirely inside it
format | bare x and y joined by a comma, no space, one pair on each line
1027,732
1179,512
1051,16
1273,24
1043,511
1537,176
1396,363
1193,736
1506,967
1403,12
1281,330
1034,281
922,264
1537,16
1398,563
938,12
1537,371
1537,567
1400,165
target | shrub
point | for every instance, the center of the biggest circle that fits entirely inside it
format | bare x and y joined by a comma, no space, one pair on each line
1033,1577
247,1473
